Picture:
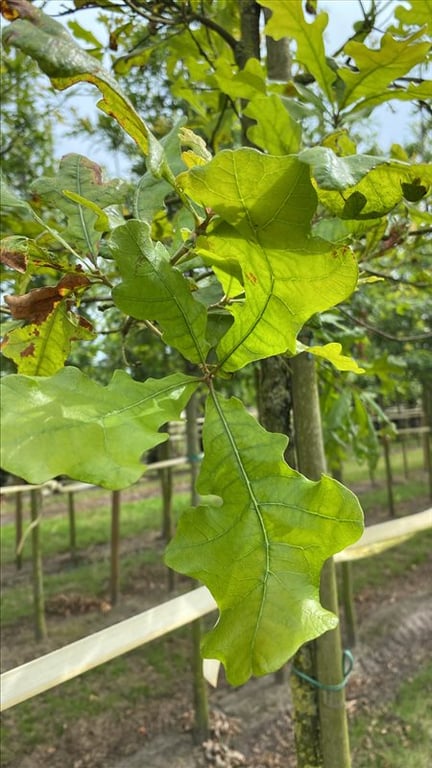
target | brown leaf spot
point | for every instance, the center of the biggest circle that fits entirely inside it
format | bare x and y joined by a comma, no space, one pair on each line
253,278
28,351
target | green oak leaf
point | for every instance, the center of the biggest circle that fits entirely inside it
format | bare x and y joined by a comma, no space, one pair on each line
151,191
275,130
419,14
378,192
287,20
69,424
414,92
262,546
82,178
286,274
333,354
152,289
244,84
10,200
377,68
58,55
334,172
41,349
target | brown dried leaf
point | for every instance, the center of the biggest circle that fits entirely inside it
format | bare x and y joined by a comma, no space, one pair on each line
37,304
13,259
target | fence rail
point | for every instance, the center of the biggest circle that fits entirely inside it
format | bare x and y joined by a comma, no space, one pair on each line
45,672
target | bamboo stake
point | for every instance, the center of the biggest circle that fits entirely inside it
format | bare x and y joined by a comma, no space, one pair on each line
38,591
18,530
115,547
201,724
72,526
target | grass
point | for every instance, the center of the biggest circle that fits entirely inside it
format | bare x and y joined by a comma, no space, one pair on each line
399,735
92,525
359,473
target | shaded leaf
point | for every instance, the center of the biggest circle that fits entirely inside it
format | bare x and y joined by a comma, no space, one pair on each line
263,546
41,349
276,131
79,180
9,199
69,424
152,289
333,172
150,192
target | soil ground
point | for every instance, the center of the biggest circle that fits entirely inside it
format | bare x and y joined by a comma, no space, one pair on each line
251,725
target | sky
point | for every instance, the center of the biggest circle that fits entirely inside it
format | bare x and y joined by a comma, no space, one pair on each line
391,120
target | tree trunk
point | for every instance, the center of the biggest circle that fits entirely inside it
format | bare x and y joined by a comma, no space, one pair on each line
38,591
333,731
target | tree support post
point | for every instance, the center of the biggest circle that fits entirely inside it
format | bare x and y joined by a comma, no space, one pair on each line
331,741
38,591
201,724
72,526
389,476
348,604
18,530
115,548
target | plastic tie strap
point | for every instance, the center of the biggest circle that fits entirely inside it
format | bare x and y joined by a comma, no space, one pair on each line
347,668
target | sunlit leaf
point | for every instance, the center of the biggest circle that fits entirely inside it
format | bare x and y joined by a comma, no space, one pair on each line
287,20
287,275
263,546
244,84
377,68
333,354
419,14
69,424
379,191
